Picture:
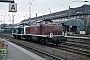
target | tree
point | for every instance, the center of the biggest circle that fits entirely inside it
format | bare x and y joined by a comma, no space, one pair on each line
88,28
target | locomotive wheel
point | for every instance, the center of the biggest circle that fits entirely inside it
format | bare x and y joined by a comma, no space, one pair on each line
46,41
57,42
19,37
28,38
14,36
42,41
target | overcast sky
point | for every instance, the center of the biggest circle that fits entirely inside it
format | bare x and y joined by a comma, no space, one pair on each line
41,7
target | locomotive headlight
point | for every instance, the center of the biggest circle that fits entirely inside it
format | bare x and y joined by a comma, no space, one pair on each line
51,35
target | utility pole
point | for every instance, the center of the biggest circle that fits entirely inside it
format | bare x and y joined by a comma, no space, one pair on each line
4,19
12,22
69,12
49,10
36,14
69,17
9,18
1,20
13,19
30,3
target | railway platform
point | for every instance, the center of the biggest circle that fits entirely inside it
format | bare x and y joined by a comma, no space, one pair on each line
18,53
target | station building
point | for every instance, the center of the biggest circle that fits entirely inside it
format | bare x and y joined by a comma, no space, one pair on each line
74,19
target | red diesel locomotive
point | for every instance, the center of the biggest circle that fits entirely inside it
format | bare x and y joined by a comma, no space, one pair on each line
44,32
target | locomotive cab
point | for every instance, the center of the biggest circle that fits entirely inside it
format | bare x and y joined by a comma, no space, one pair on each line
19,31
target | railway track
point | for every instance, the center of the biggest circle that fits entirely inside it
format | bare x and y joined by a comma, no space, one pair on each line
26,46
69,46
74,49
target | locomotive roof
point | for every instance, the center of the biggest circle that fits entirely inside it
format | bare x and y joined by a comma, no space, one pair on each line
48,20
23,23
19,27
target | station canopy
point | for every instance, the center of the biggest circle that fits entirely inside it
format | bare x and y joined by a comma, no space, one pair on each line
8,1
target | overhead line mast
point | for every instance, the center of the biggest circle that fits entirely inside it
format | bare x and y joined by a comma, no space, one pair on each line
30,3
